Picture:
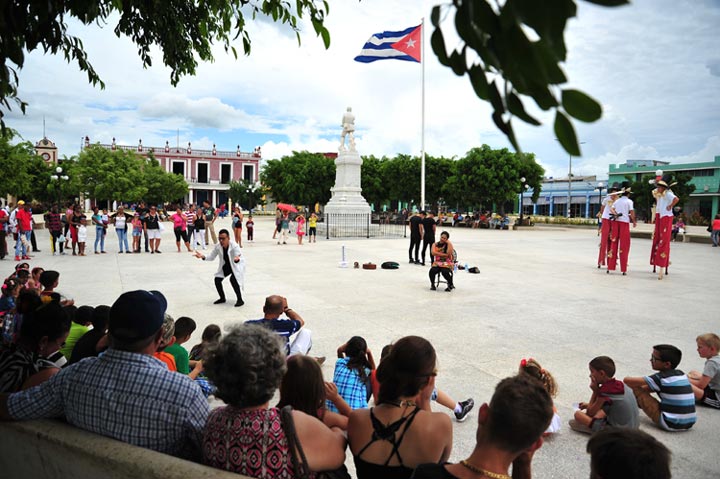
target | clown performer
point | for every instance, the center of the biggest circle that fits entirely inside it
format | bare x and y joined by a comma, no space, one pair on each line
622,213
605,220
666,201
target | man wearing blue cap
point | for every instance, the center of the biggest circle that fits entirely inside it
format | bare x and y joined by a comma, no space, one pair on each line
125,394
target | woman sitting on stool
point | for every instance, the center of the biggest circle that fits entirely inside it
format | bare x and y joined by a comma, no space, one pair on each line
443,261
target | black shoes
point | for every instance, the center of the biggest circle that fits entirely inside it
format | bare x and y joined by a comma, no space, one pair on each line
432,287
466,408
239,303
219,301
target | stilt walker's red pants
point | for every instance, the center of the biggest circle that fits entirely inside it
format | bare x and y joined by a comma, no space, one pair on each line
604,241
660,252
619,245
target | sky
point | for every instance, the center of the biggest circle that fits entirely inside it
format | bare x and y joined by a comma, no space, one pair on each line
654,65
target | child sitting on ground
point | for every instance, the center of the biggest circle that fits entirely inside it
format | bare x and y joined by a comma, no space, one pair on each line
168,338
612,404
533,369
210,336
184,327
706,385
676,409
50,280
352,373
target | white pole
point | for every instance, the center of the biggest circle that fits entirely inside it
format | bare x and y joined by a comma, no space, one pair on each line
422,134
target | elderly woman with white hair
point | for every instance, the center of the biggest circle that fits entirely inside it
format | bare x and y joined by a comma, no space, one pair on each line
249,437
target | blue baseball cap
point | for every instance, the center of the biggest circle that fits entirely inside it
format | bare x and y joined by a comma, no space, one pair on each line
137,315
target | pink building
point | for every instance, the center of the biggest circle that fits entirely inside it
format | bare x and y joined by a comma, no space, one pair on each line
207,172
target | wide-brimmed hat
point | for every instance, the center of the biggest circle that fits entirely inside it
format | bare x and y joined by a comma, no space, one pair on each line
665,181
626,187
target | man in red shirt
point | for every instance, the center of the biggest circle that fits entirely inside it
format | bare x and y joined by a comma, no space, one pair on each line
24,228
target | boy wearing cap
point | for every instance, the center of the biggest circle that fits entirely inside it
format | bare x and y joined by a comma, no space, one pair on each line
125,394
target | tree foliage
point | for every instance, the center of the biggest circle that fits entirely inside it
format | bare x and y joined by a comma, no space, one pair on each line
159,185
183,30
483,177
505,64
642,192
15,178
247,194
302,178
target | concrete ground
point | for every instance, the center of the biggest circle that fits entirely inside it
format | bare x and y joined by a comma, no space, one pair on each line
539,295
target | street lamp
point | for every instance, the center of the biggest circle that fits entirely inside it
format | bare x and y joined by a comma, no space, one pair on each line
57,177
599,189
569,196
523,186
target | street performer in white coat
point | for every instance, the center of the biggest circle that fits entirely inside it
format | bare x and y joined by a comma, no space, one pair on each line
231,264
666,201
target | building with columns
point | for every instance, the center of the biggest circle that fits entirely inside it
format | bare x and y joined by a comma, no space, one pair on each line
208,173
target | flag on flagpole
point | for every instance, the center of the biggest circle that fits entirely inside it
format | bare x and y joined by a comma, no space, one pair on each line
403,45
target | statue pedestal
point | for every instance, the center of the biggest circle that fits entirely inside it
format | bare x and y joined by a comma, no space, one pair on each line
347,196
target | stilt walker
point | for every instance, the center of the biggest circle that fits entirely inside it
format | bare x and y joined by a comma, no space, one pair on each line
622,213
666,201
605,221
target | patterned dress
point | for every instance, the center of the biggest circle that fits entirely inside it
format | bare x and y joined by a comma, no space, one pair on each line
249,442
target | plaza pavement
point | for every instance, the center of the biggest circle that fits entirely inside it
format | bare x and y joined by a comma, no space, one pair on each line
539,295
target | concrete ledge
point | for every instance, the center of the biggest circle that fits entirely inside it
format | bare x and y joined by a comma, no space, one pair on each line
50,449
686,238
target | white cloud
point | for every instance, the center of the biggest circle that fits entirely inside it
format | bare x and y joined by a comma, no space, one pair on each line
652,64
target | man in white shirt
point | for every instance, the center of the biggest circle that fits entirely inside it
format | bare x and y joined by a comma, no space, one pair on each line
666,201
623,211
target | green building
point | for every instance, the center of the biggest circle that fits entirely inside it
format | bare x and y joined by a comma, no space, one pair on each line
705,177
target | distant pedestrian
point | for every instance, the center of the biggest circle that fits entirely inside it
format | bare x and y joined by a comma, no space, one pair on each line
237,222
300,225
312,225
250,228
416,234
715,235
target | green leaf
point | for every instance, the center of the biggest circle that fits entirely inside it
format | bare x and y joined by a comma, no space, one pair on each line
515,106
565,133
581,106
435,16
479,81
609,3
457,62
437,42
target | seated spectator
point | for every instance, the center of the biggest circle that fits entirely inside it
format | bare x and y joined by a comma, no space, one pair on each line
612,404
509,432
292,325
81,321
94,341
706,385
210,336
460,409
533,369
50,280
247,367
33,283
124,394
443,263
25,364
12,322
168,339
304,389
352,373
184,327
10,291
627,454
676,409
391,439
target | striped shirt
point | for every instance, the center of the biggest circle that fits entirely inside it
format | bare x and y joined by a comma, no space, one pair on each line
677,401
283,327
127,396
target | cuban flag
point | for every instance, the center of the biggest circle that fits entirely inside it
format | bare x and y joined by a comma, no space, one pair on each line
404,45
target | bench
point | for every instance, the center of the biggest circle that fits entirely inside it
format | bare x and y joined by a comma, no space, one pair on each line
50,449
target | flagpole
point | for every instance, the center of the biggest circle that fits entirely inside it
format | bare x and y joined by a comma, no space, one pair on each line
422,116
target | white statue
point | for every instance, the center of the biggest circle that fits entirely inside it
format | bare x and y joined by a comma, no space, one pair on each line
348,125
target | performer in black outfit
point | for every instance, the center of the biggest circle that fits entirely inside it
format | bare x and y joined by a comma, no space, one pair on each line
416,232
429,226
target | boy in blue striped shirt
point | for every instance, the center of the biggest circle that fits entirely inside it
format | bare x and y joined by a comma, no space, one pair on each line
676,409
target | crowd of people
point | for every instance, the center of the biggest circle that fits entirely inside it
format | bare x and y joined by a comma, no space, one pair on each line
92,365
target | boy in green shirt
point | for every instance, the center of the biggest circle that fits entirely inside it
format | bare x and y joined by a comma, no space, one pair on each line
184,327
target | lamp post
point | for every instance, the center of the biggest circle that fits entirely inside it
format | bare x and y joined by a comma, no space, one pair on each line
569,196
523,186
599,189
57,177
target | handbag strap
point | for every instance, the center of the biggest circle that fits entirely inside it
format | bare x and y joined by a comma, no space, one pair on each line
301,469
